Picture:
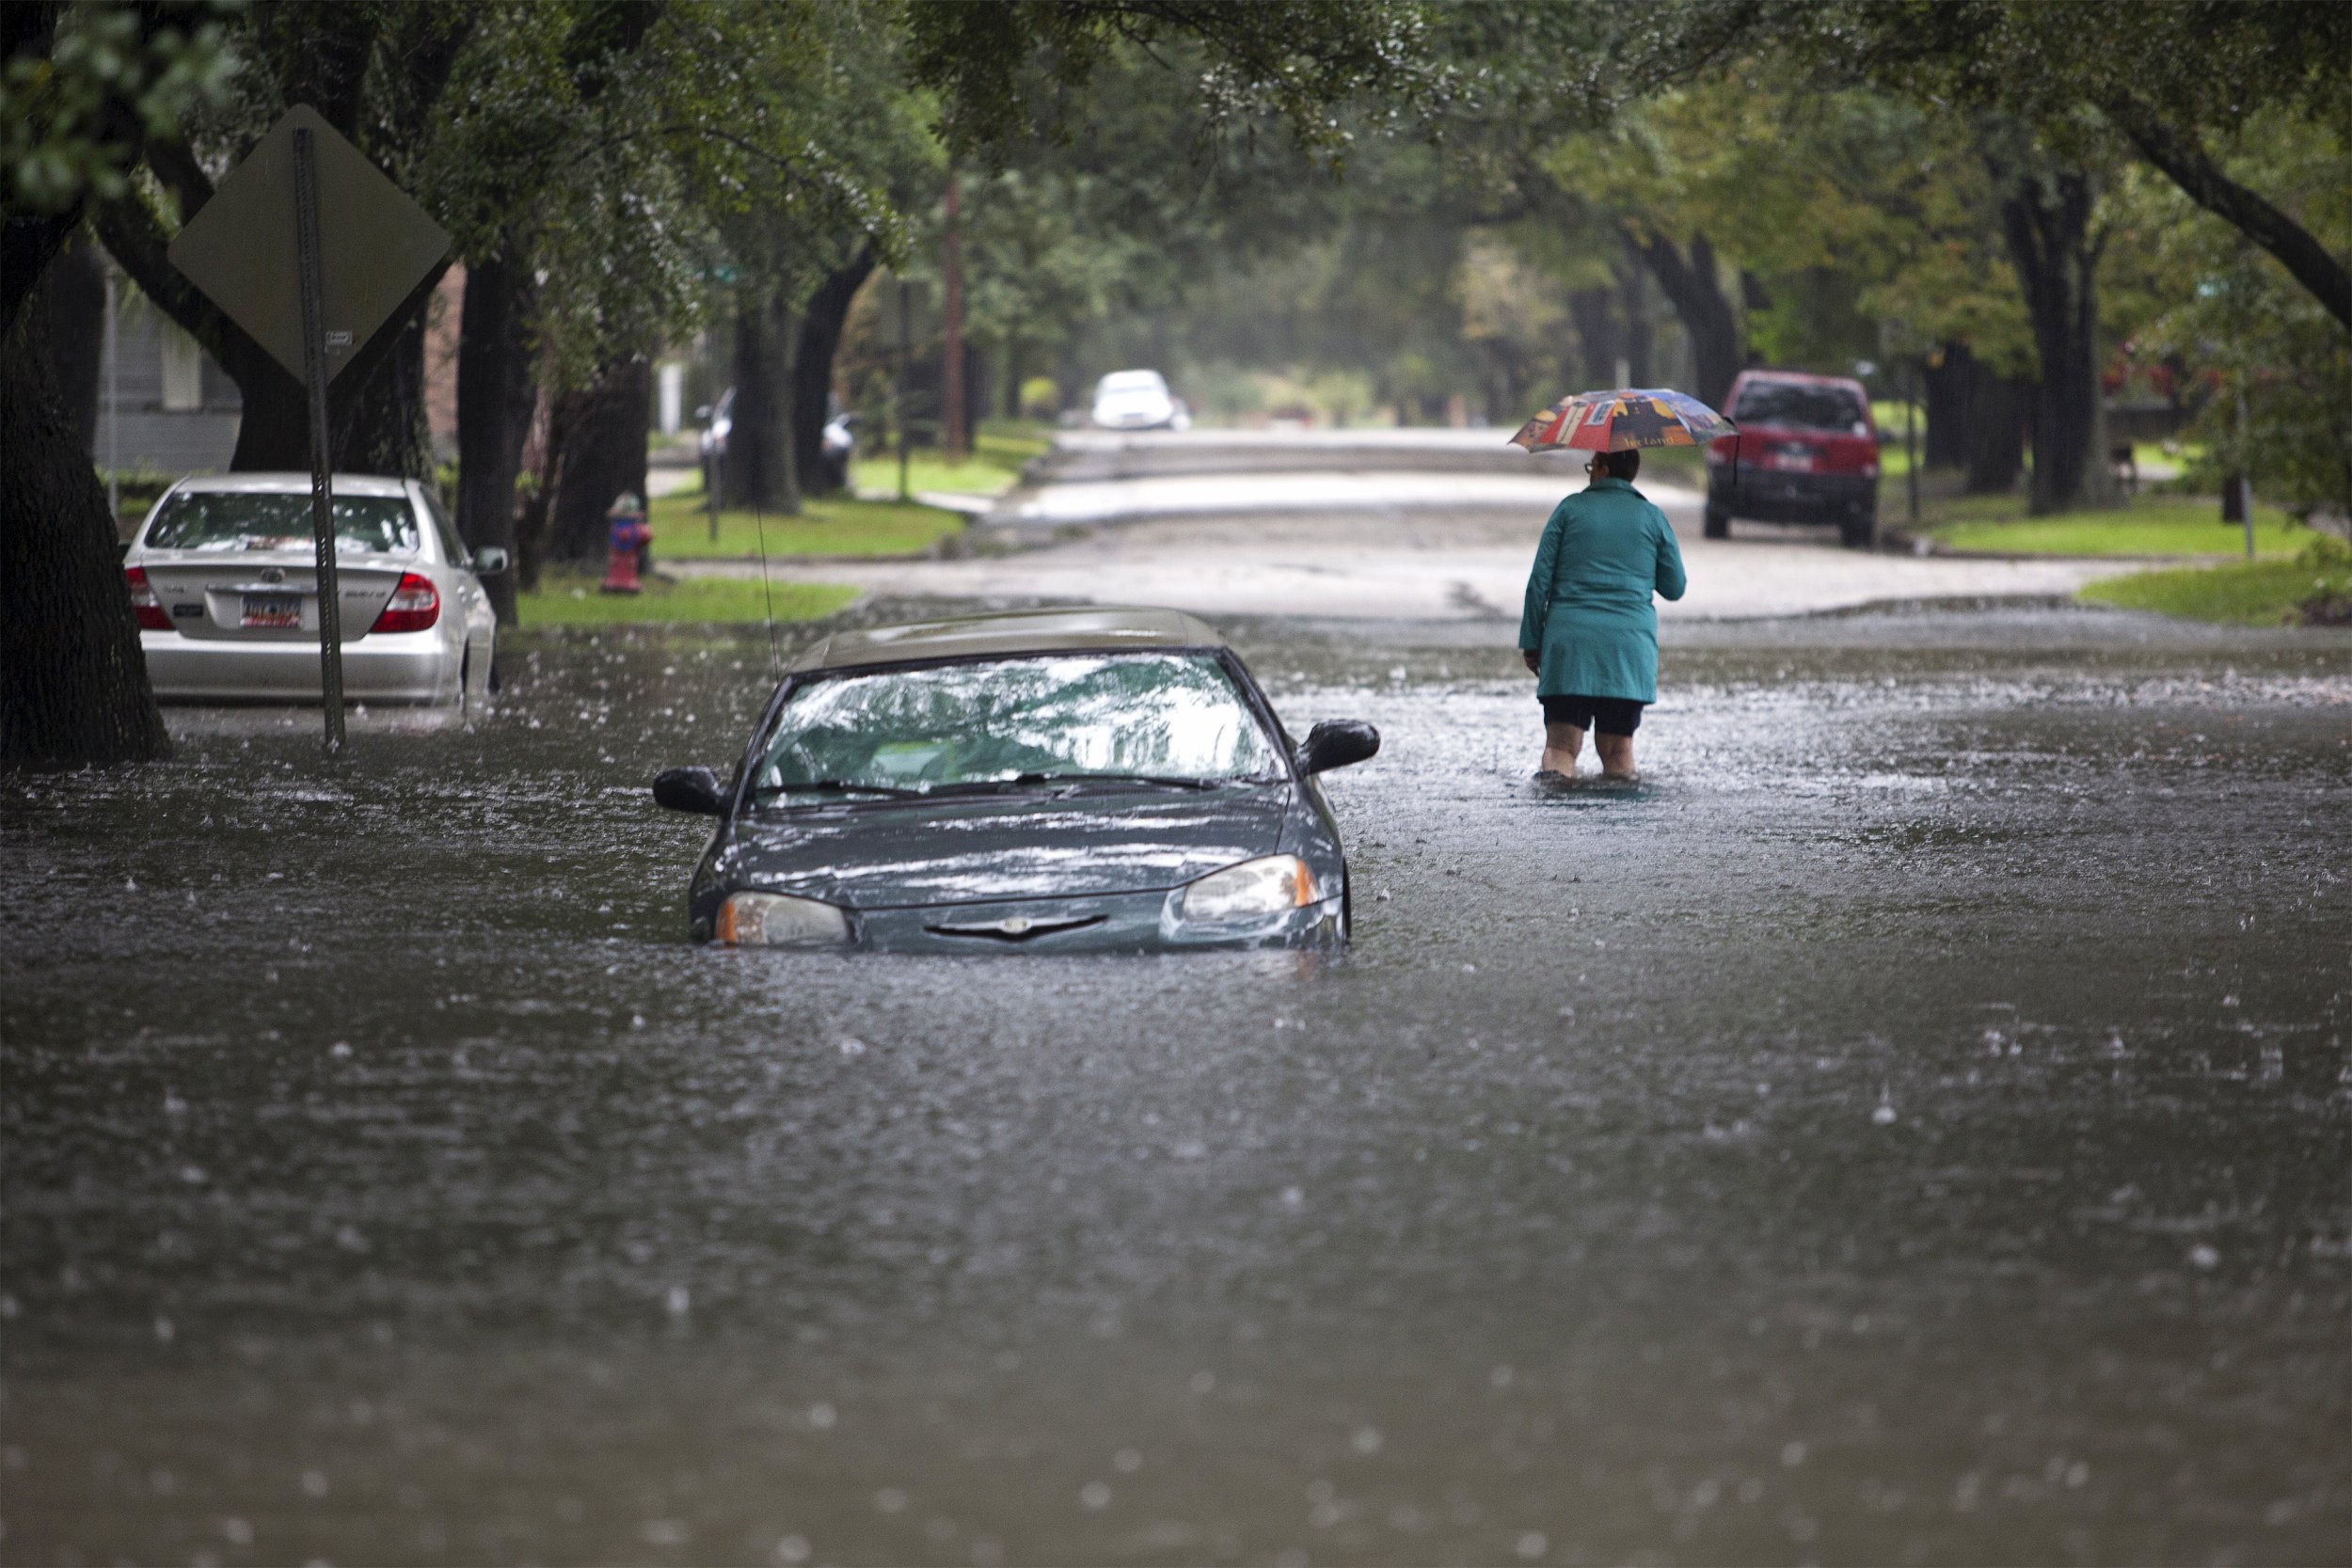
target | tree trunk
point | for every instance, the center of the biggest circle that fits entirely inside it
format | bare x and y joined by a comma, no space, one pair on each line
1640,343
1944,385
1597,340
1016,372
979,385
496,393
1997,408
759,470
74,685
596,451
72,295
381,426
812,368
1693,284
2046,218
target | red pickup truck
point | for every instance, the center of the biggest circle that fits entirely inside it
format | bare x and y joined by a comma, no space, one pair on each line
1807,453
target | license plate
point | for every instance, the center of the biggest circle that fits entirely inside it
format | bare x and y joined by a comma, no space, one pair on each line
274,611
1793,465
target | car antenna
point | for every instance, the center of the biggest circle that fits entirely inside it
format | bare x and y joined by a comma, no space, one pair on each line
775,660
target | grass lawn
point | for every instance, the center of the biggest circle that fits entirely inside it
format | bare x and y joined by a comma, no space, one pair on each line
2151,525
930,470
573,601
836,525
999,450
2257,593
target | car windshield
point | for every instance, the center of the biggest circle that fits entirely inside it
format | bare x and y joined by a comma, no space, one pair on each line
1798,406
1131,381
1167,718
251,520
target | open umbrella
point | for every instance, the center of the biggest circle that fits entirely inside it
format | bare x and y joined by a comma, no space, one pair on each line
1627,416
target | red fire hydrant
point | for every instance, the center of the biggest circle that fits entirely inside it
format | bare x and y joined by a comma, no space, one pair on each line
630,536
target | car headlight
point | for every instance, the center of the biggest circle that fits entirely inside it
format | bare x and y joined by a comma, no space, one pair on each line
775,919
1254,890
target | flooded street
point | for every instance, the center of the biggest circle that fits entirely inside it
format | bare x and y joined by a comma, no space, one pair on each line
1913,1124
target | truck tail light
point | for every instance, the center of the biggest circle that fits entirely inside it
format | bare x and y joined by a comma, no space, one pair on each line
413,606
145,606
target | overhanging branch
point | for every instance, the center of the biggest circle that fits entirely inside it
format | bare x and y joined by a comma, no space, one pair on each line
2193,169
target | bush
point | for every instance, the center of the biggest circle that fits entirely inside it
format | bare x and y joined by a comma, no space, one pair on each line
1041,398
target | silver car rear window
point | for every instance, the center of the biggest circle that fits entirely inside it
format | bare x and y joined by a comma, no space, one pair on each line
246,520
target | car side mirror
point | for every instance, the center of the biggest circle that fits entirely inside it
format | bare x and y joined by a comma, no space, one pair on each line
1336,743
489,560
694,789
701,415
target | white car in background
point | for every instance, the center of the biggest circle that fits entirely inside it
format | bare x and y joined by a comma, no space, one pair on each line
1138,400
224,582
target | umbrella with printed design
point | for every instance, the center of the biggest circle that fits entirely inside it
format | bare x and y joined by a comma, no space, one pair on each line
1626,418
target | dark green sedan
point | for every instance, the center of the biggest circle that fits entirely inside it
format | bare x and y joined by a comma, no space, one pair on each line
1058,781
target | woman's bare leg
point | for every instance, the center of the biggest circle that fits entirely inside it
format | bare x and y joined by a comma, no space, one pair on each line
1562,742
1616,754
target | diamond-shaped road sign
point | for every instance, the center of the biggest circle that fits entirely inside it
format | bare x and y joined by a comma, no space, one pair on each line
375,245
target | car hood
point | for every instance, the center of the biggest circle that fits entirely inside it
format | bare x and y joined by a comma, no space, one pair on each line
899,854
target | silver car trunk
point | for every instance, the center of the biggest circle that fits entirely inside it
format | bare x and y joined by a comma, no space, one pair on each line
268,594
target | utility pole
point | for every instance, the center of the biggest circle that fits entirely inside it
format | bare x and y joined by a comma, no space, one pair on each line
898,393
114,398
953,437
710,461
2244,478
1911,438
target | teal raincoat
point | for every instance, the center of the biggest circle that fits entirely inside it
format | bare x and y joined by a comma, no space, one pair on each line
1588,599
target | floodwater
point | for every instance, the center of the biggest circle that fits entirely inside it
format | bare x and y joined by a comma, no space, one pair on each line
1915,1124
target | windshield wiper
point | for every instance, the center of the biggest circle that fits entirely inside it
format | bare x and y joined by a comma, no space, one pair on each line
1165,781
836,787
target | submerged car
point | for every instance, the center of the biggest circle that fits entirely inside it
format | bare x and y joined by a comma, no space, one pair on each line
223,578
1807,451
1056,781
1138,400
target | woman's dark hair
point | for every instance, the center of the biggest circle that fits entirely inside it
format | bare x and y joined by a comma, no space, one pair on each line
1621,465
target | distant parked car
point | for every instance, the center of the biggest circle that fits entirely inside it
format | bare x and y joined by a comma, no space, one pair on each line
1138,400
1807,451
838,446
1053,780
838,443
223,579
718,424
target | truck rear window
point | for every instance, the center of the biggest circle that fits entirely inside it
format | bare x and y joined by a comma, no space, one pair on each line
1797,407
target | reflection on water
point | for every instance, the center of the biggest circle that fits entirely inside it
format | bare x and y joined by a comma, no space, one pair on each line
1912,1126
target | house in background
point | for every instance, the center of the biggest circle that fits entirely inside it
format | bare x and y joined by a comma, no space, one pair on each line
165,409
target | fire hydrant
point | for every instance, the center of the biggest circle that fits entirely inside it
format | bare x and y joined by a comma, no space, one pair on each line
630,536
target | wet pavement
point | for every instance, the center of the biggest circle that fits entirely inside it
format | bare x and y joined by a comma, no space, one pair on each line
1915,1124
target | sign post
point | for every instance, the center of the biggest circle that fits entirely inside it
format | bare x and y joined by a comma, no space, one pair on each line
311,250
306,200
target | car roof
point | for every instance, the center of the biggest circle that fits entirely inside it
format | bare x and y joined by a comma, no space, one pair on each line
1070,628
1804,378
1135,379
294,484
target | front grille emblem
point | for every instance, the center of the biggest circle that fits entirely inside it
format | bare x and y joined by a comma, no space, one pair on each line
1019,927
273,574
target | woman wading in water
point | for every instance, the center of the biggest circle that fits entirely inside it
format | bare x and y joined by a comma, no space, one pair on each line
1589,631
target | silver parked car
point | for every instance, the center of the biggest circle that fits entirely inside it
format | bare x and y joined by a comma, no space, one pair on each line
223,579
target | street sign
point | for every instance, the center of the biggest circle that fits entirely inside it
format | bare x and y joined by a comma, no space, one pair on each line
309,248
375,245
